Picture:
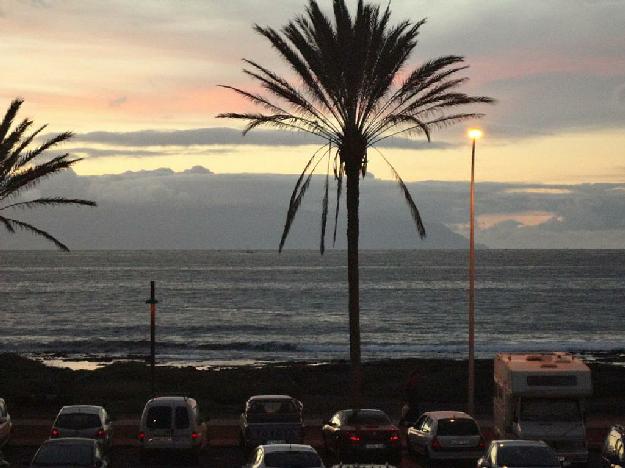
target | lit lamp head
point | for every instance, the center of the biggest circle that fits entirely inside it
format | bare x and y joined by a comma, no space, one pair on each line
474,133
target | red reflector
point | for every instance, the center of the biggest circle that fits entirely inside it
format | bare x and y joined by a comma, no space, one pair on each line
482,443
436,445
353,437
195,435
394,438
141,436
101,434
55,433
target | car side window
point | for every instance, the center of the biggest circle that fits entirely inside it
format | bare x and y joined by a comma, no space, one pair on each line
419,423
610,446
427,425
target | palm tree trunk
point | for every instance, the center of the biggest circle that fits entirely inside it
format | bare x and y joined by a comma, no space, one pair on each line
353,195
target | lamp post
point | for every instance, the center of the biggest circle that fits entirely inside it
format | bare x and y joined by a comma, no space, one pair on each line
474,134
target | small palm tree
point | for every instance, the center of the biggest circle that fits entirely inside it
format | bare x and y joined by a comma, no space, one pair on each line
350,89
18,172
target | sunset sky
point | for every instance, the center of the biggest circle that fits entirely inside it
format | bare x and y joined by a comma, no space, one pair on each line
106,68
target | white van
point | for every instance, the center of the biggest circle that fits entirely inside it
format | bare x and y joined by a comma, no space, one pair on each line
541,396
172,423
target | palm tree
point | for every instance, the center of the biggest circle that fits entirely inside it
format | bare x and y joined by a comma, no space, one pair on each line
349,88
19,172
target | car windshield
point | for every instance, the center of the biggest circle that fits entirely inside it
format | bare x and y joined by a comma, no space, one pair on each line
457,427
292,460
78,421
526,456
273,411
554,410
64,455
159,417
368,418
182,417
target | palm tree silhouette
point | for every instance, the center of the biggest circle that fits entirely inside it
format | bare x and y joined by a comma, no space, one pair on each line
18,172
349,88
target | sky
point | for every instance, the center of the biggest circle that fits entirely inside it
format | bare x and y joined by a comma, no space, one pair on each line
138,84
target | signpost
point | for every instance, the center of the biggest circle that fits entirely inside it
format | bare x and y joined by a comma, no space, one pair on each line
152,301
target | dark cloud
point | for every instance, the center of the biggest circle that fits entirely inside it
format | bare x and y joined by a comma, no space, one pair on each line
541,105
230,136
129,152
118,101
198,209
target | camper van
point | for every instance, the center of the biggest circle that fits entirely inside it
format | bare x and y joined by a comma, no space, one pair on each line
541,397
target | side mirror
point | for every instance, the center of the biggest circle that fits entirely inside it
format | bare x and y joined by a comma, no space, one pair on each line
564,463
483,463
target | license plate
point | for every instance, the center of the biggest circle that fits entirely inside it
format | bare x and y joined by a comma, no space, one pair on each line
374,446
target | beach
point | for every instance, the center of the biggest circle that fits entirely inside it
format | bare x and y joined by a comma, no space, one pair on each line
33,389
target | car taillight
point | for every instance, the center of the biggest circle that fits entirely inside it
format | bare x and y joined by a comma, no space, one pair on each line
141,436
54,433
436,445
353,437
195,435
394,437
101,434
482,443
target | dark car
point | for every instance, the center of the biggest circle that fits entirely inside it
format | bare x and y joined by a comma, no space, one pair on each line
613,451
69,452
271,419
362,435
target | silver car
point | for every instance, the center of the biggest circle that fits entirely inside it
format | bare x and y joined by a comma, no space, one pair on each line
87,421
520,454
284,455
446,435
69,452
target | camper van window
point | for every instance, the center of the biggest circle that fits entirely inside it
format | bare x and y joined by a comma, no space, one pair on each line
552,380
546,409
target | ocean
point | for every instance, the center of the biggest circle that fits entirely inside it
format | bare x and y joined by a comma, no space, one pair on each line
233,307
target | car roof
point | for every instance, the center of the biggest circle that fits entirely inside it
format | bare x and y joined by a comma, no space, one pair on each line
448,415
90,409
363,410
70,441
287,448
520,443
170,399
271,397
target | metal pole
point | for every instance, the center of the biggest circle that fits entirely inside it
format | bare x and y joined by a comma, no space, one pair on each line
471,396
152,301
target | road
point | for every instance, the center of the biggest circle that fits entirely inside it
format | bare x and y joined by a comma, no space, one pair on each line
213,457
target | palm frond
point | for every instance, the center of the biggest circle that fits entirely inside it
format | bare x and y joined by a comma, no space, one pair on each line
39,232
49,201
7,224
9,116
414,211
324,206
297,196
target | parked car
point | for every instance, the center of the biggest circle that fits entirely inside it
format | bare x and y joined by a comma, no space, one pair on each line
172,423
6,426
271,419
69,452
363,434
613,451
519,453
87,421
284,456
446,435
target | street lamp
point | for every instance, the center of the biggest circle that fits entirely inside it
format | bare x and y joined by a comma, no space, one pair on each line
474,134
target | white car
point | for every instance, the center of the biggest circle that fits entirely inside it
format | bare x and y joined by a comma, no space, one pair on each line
520,454
5,423
446,435
88,421
284,456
